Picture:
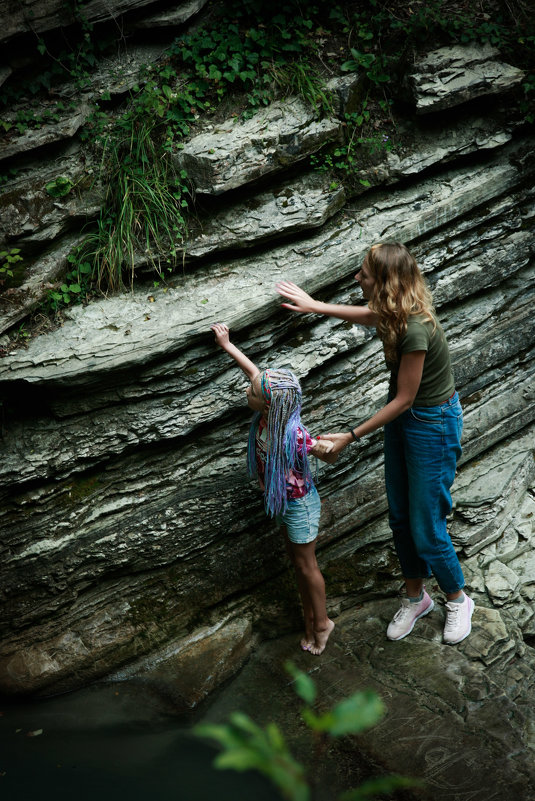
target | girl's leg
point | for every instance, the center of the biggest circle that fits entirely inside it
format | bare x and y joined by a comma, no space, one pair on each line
309,578
308,614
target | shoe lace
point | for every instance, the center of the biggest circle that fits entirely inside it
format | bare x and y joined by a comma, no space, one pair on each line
452,615
402,612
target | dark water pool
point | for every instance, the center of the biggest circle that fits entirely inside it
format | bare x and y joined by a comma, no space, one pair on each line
109,743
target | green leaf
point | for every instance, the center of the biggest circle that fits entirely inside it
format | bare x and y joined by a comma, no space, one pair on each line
214,73
237,759
379,786
168,92
59,187
303,684
355,714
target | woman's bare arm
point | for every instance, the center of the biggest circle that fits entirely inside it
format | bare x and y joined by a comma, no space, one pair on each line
304,303
408,382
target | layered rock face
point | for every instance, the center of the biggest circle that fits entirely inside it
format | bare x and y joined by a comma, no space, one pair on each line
133,542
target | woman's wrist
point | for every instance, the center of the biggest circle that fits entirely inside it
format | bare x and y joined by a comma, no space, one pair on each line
320,307
352,436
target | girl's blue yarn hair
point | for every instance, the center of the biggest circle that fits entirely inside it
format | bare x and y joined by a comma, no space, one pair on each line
282,392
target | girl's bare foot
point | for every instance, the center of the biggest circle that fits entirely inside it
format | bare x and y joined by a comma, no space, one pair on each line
320,639
308,639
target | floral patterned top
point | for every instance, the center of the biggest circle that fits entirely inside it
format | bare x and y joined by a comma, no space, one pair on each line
295,484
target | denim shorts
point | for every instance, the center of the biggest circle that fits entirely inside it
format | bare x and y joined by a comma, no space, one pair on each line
302,517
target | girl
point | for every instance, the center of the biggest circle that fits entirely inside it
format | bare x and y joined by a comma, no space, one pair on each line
277,455
423,425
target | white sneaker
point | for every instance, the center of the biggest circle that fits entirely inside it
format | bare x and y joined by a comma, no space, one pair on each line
403,621
458,620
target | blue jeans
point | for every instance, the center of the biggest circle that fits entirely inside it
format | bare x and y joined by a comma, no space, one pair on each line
421,447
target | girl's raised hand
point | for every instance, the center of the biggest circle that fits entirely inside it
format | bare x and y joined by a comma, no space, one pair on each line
300,301
222,334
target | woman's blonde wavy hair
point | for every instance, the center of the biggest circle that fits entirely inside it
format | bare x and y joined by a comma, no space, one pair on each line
399,291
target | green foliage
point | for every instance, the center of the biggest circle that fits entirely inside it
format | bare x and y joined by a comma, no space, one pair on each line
147,201
302,684
76,61
9,175
256,51
21,335
247,746
356,714
59,187
349,158
143,215
383,785
8,259
77,284
299,78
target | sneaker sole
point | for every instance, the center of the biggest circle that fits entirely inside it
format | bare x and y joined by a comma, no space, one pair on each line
455,642
422,614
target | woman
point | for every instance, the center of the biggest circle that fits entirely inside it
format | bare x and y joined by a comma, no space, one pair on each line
423,426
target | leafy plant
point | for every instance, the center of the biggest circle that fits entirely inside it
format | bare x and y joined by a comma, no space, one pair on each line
59,187
350,157
257,52
8,259
247,746
9,175
76,286
374,66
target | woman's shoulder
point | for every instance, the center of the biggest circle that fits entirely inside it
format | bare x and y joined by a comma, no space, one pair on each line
422,322
422,318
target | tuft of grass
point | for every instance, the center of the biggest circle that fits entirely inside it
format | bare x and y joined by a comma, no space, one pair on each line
301,78
143,214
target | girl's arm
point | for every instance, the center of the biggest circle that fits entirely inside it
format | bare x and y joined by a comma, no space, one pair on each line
301,302
222,338
408,383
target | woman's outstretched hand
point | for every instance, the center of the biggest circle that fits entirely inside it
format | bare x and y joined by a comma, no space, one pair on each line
324,450
300,301
339,441
222,334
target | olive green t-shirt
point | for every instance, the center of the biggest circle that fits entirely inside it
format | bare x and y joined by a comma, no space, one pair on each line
437,383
